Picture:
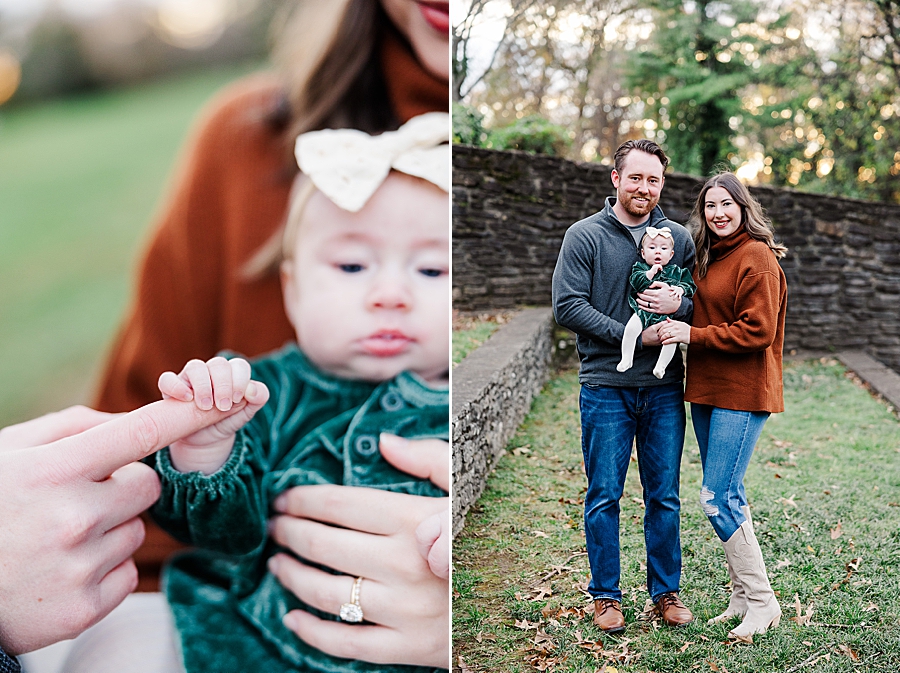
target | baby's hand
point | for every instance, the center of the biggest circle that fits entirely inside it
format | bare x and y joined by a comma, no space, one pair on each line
676,291
227,382
653,270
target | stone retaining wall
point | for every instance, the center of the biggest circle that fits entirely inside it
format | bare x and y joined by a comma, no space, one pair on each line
492,391
511,209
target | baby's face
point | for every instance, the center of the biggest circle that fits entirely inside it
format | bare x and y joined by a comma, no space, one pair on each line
368,293
657,250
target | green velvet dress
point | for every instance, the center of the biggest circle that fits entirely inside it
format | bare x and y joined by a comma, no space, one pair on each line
670,275
315,429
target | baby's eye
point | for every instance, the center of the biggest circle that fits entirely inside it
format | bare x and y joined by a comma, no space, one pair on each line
351,268
432,273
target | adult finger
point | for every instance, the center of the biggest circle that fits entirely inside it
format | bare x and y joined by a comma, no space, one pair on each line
125,494
423,458
115,586
363,509
329,592
51,427
118,544
348,551
197,374
375,644
220,375
100,451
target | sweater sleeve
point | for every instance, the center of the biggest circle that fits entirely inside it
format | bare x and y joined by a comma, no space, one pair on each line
173,316
757,304
223,511
187,289
572,280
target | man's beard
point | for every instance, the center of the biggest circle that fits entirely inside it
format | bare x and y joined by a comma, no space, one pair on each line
637,209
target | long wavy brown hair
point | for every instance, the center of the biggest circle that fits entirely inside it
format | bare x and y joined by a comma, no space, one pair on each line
327,53
753,219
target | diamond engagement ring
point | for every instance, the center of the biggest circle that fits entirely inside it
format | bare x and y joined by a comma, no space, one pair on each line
352,611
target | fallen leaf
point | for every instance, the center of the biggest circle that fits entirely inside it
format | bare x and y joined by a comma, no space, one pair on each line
462,665
836,531
742,639
809,547
539,533
871,607
787,502
541,593
686,645
782,445
853,565
522,450
801,618
808,643
783,563
846,649
525,625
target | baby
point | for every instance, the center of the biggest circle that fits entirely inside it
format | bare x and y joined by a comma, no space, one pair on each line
657,250
365,274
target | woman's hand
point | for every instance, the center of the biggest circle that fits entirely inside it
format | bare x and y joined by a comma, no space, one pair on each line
674,332
380,534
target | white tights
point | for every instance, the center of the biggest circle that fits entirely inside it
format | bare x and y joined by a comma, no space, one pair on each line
633,329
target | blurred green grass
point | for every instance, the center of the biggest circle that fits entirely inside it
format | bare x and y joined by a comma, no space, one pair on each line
80,179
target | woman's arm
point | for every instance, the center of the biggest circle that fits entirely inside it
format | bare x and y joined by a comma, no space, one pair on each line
757,305
371,534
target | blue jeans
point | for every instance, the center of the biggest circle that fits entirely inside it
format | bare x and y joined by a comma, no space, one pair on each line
726,438
611,419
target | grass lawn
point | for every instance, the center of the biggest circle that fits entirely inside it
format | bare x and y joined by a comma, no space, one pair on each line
470,331
824,487
79,181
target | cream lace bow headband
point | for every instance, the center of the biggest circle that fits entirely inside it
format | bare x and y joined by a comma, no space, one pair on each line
348,165
653,232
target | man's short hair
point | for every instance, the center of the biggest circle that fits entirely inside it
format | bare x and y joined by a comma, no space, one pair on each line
642,145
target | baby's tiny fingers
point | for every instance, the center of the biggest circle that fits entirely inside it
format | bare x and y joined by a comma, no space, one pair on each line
220,374
197,374
240,378
170,385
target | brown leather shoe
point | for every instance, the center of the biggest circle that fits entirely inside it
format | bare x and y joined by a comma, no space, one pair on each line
608,615
672,611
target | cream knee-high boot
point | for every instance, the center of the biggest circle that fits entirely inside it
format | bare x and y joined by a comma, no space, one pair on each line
737,604
745,557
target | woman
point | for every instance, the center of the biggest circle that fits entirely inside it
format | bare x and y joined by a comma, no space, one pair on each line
734,376
365,64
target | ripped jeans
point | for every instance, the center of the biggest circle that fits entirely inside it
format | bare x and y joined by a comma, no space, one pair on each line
726,438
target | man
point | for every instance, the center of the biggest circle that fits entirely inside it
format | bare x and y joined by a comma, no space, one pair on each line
70,495
590,297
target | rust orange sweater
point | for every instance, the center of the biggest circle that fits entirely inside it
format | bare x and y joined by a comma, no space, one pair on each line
737,337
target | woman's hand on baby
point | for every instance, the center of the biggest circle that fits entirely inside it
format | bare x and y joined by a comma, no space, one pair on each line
225,384
398,543
427,459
